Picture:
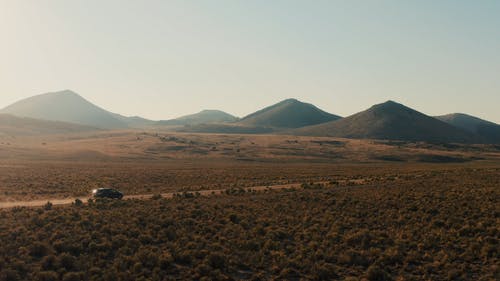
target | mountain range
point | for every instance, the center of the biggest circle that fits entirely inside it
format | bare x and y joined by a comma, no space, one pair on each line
69,112
393,121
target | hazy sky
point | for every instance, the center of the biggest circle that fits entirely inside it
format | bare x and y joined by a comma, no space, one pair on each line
162,59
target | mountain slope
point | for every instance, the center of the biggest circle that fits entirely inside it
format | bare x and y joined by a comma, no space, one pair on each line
289,113
202,117
135,121
65,106
488,130
393,121
11,125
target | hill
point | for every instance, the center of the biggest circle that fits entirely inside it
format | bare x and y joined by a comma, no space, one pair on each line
227,128
289,113
135,121
391,121
21,126
202,117
488,130
65,106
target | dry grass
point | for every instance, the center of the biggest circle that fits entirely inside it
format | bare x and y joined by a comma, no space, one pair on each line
436,225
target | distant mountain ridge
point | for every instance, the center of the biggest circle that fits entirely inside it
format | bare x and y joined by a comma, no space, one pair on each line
68,106
290,113
202,117
389,120
392,121
487,130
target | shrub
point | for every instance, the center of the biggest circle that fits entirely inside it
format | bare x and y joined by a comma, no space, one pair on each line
67,261
78,202
38,249
73,276
9,275
375,273
47,276
47,206
217,260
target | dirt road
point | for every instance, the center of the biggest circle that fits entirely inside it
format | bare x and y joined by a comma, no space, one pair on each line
68,201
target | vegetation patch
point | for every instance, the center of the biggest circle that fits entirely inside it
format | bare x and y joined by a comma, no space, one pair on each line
440,226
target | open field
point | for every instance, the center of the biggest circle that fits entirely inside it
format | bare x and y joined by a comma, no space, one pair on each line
142,162
58,167
385,210
441,225
24,181
157,146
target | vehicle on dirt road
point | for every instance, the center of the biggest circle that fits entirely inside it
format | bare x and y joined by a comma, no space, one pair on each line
107,193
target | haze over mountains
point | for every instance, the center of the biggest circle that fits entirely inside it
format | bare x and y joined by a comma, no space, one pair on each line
70,112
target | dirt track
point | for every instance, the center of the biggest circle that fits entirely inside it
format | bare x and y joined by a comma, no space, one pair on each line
68,201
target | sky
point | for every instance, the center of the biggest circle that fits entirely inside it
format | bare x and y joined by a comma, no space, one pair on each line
163,59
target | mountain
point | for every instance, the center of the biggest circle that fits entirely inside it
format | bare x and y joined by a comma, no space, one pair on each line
392,121
224,128
488,130
202,117
11,125
289,113
67,106
135,121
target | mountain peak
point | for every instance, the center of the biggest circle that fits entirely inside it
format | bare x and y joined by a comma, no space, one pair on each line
212,111
289,113
291,100
206,116
391,120
66,92
65,106
489,131
389,104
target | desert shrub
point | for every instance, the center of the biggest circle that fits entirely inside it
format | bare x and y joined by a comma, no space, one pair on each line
73,276
48,206
47,276
67,261
9,275
217,260
49,262
404,231
375,273
39,249
78,202
325,271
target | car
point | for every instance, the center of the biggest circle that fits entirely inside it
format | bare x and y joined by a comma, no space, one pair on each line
107,193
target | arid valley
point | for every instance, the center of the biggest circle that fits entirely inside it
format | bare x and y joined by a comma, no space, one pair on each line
283,140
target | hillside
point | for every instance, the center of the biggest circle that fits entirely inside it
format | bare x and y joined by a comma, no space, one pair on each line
289,113
20,126
135,121
202,117
392,121
220,128
488,130
65,106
